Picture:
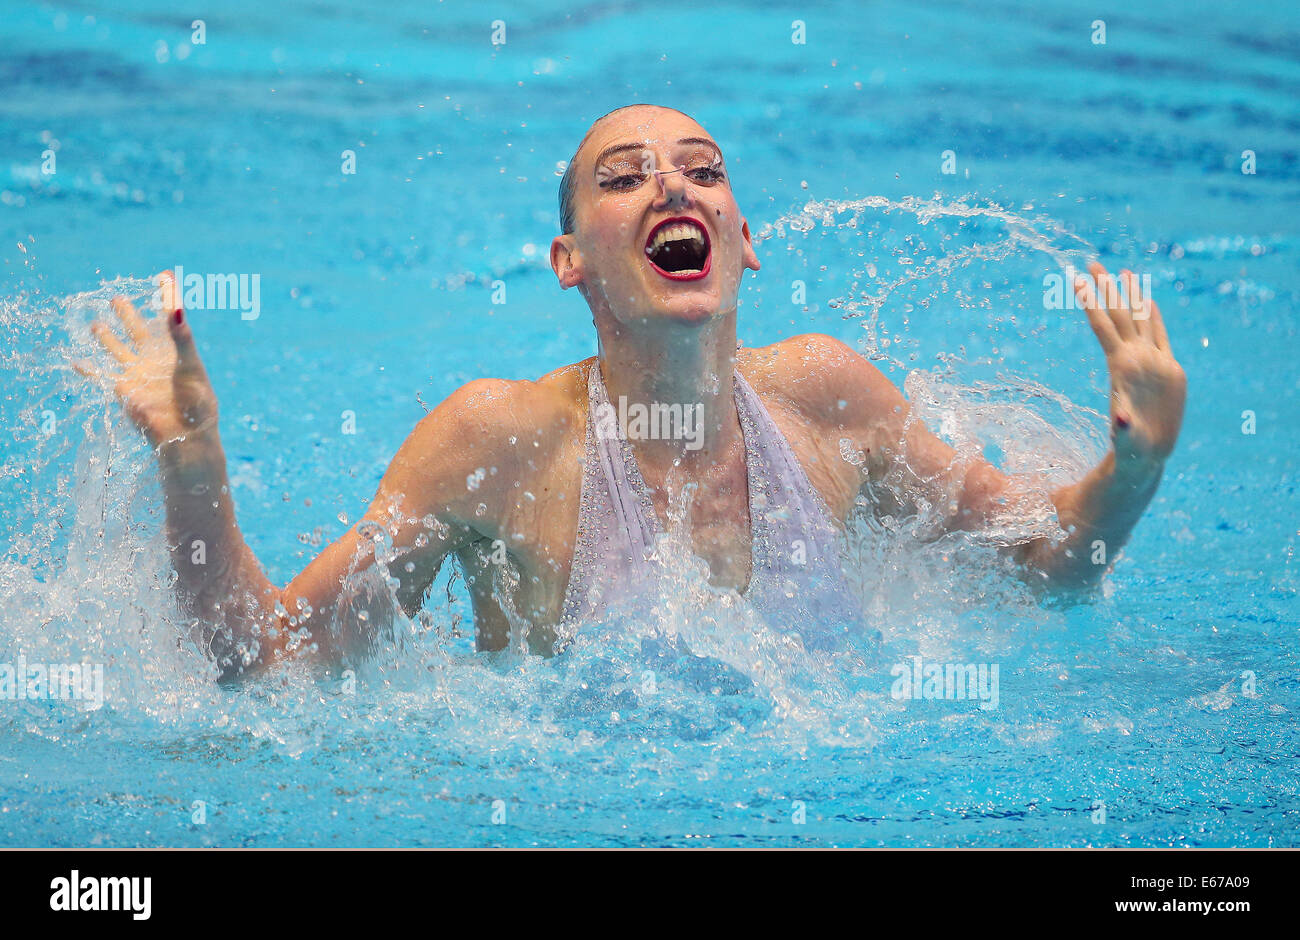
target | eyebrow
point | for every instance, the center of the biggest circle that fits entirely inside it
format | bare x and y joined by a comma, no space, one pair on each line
620,148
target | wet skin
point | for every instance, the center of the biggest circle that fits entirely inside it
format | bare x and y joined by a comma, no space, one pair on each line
662,340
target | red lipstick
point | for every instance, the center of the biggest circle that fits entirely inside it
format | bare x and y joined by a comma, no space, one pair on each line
678,275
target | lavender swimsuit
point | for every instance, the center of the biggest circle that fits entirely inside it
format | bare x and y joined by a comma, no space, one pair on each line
796,583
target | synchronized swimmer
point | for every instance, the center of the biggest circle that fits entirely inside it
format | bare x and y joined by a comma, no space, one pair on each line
576,500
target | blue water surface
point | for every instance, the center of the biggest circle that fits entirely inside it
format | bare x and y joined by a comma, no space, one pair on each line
1160,711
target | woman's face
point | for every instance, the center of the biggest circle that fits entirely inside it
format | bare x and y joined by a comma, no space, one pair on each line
658,233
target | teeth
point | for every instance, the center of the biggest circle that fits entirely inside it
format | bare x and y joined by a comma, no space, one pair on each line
677,231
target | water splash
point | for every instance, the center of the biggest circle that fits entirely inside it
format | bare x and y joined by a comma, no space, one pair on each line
906,255
88,577
887,260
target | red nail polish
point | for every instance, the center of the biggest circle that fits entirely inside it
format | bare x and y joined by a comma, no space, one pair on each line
178,317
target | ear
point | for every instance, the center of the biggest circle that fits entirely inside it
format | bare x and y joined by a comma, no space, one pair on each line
749,256
566,261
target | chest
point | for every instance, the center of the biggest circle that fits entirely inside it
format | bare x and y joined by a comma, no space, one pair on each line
710,504
708,501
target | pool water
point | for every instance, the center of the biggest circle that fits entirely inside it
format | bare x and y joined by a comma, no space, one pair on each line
1160,711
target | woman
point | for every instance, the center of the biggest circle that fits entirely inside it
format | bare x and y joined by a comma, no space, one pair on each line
553,482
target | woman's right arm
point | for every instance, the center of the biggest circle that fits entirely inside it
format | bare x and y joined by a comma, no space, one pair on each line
331,610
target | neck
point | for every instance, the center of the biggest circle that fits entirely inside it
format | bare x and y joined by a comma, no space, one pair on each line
654,364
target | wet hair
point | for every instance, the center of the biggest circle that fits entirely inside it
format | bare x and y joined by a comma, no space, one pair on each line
568,184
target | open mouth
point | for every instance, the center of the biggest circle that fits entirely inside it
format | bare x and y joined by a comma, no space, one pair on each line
679,249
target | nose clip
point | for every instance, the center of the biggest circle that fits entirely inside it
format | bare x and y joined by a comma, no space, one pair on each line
660,174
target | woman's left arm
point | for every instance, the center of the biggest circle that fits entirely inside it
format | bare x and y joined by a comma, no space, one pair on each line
1147,393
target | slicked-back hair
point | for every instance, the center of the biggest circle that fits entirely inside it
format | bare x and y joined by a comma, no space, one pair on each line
567,182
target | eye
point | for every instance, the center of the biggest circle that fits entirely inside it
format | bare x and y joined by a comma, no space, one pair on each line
622,183
705,174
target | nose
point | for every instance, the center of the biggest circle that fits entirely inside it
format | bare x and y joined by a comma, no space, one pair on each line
673,191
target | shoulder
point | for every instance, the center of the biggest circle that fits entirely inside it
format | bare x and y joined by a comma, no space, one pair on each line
500,425
820,378
496,407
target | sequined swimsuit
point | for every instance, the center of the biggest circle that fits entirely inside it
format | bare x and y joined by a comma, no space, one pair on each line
796,581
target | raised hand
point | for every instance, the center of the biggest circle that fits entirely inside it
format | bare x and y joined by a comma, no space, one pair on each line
1147,385
159,377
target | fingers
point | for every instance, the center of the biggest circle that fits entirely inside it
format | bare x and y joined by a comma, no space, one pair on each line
1158,334
1097,317
187,354
92,370
132,322
171,300
87,368
1110,299
108,339
1132,316
131,319
137,331
1137,307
